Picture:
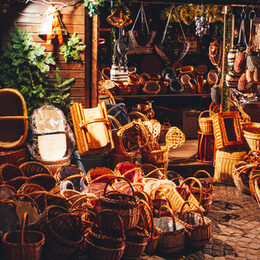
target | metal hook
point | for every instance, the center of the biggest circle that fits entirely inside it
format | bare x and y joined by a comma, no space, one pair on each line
243,14
252,14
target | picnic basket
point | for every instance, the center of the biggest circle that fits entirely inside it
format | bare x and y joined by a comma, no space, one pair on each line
23,244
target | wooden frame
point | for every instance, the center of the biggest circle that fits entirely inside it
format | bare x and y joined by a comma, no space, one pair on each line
227,129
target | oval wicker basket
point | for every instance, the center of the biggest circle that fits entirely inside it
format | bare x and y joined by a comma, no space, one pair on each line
252,135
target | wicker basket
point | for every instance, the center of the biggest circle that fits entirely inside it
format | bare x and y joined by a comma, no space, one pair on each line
164,129
205,123
224,163
130,138
13,119
170,241
241,176
124,205
101,242
33,167
16,157
157,157
207,190
198,228
9,171
24,244
252,135
182,194
256,187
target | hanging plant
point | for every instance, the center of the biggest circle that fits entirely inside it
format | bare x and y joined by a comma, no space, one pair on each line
71,49
93,6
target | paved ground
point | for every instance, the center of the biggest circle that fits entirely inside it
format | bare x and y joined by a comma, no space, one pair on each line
236,228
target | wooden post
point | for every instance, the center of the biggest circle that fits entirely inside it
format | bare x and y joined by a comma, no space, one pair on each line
91,40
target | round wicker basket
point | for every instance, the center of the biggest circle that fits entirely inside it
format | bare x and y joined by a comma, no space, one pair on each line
252,135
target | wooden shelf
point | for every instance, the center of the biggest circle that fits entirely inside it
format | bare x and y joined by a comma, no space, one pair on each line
163,95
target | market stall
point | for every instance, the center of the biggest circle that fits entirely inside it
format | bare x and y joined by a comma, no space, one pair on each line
84,174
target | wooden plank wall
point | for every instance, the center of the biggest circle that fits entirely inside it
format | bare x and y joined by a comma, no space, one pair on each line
73,18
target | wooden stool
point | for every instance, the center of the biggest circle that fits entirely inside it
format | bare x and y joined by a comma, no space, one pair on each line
206,147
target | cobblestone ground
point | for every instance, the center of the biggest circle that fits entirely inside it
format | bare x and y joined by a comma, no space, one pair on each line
236,228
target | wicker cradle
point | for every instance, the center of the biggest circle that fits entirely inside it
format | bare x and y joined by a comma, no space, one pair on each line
224,163
13,119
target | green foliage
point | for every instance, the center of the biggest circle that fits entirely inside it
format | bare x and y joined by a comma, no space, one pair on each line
72,48
93,6
23,66
59,94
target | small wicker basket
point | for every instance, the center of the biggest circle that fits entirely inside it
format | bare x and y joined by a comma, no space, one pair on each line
205,123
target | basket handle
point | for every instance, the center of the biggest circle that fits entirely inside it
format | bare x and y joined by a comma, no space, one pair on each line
105,71
240,170
166,124
200,212
139,115
146,205
122,178
131,170
254,155
210,178
171,213
84,124
156,169
206,111
76,176
24,226
84,197
117,216
199,183
114,120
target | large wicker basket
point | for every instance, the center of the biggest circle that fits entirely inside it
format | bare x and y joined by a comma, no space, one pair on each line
13,119
252,135
224,163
